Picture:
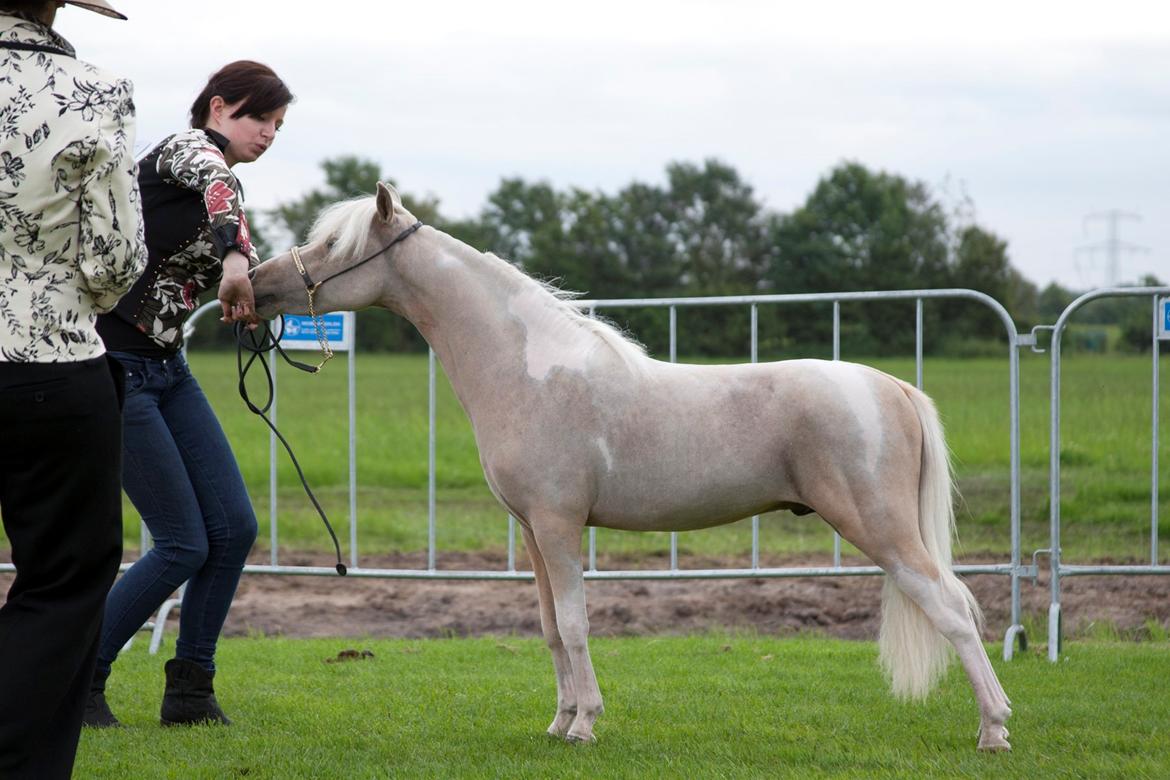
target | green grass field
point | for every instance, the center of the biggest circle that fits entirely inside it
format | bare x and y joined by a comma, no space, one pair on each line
704,706
726,706
1106,450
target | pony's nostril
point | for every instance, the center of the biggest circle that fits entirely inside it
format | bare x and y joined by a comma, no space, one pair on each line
252,275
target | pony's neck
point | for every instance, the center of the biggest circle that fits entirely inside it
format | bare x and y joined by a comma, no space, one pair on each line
449,290
483,317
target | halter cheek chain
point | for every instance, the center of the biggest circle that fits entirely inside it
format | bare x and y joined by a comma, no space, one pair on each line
318,323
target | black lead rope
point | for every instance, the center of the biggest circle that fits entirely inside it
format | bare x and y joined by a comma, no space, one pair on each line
266,342
257,346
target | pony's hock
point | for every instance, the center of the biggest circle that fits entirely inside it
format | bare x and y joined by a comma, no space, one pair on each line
570,418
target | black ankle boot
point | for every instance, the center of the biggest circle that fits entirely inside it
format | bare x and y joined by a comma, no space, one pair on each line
97,711
189,697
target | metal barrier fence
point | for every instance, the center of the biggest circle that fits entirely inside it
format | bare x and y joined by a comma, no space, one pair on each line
1013,568
1060,569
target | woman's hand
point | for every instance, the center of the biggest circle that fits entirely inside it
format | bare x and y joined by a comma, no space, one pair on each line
235,291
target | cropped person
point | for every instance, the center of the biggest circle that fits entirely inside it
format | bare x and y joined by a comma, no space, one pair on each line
179,470
70,245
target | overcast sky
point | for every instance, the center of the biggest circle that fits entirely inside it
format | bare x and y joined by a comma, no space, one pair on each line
1042,112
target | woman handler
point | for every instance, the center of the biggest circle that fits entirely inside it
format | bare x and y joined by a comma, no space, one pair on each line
179,470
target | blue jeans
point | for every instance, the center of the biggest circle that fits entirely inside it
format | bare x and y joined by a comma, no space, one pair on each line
181,476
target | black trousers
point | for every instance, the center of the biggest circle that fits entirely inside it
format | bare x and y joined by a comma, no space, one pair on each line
61,502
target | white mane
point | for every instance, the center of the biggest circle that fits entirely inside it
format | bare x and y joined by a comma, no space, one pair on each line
626,348
347,225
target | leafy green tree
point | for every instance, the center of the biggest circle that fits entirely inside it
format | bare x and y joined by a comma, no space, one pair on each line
345,177
861,230
1137,321
523,221
704,233
719,231
1053,300
864,230
645,241
1023,300
981,263
718,225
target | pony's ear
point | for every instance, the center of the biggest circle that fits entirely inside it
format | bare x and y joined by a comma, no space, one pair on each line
388,201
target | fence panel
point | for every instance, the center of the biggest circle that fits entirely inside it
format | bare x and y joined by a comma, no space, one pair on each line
1060,569
1014,568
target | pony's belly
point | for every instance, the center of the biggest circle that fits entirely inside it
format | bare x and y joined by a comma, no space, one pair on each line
693,515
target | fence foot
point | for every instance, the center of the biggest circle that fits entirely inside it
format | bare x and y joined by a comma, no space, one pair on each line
1014,633
160,623
147,626
1054,633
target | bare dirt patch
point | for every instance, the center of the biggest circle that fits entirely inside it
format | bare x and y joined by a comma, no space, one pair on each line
846,607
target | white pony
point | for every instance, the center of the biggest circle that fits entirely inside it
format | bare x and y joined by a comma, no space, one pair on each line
577,426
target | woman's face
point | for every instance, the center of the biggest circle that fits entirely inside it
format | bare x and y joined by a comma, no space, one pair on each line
248,136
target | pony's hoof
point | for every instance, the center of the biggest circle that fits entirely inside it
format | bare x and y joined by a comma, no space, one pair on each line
580,739
561,725
994,741
1001,746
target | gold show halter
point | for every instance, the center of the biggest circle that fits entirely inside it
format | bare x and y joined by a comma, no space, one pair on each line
311,287
318,322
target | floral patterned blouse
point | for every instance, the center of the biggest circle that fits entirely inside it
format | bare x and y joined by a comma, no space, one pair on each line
191,204
71,240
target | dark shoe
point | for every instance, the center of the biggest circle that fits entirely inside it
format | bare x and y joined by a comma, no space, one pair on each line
189,697
97,712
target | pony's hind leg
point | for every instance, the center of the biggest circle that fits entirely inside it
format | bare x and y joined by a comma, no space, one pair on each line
924,607
566,698
558,540
947,604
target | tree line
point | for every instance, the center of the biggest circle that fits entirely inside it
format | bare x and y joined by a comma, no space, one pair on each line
704,232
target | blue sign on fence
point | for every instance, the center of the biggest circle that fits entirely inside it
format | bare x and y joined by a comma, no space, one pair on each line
1164,309
301,333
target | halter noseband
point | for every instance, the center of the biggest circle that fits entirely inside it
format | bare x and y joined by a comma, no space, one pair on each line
311,287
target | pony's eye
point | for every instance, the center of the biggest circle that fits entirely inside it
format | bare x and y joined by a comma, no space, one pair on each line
329,244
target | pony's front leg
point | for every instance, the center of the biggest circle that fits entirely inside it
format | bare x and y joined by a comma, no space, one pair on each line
559,542
566,699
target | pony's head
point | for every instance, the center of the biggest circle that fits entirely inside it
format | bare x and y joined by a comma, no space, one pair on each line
341,262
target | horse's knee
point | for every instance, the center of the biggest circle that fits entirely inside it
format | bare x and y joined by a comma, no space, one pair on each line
573,634
553,641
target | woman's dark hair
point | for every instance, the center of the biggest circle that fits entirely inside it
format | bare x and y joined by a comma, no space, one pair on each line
24,6
252,82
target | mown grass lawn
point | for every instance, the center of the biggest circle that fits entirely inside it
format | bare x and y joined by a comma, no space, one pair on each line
705,706
696,707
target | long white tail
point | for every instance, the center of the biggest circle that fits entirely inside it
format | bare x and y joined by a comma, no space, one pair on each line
913,653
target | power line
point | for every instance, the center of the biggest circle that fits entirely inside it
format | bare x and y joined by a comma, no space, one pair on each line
1113,245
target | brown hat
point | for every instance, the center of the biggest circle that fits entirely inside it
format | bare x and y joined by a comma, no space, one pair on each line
98,6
